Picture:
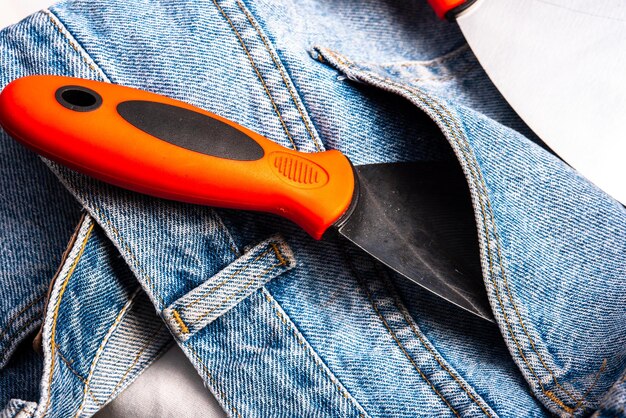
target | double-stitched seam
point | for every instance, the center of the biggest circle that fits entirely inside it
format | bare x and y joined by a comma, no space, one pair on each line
81,378
234,294
399,343
136,360
478,181
92,368
129,250
184,327
435,355
280,69
213,380
214,289
56,313
90,62
258,73
309,350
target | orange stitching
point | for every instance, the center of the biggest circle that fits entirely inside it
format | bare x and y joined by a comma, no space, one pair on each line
127,306
478,176
256,70
223,302
406,316
56,311
210,376
17,315
309,350
82,379
137,357
180,322
223,282
282,74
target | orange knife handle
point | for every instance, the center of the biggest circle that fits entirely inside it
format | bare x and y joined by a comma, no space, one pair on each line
444,7
166,148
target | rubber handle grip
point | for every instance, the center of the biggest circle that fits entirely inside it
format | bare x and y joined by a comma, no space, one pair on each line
166,148
442,7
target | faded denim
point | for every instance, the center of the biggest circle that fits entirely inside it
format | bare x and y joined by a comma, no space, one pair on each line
274,322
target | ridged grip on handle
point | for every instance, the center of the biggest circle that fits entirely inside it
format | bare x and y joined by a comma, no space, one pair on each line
442,7
166,148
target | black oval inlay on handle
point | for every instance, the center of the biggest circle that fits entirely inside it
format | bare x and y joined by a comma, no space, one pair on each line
190,130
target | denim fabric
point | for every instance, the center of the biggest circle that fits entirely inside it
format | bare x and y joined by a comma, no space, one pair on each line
332,333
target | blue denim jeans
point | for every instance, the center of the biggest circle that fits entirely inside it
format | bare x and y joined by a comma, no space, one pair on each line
275,323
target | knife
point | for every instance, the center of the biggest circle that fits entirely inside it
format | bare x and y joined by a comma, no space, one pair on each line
414,217
560,64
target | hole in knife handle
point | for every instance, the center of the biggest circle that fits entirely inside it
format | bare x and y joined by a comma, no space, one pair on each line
78,98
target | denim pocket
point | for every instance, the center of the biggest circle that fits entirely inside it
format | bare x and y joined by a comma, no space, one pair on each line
227,288
545,233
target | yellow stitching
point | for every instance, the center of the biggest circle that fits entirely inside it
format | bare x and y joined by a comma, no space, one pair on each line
484,213
72,44
309,350
180,322
82,379
406,316
137,357
104,341
130,252
210,376
282,74
478,177
225,301
504,275
256,70
279,255
18,314
557,401
408,356
56,311
223,282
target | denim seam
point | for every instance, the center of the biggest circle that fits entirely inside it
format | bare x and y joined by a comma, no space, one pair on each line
477,180
228,403
306,346
245,287
55,314
425,63
99,211
243,268
395,338
135,361
281,70
435,354
256,70
60,27
118,319
68,363
177,312
479,183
